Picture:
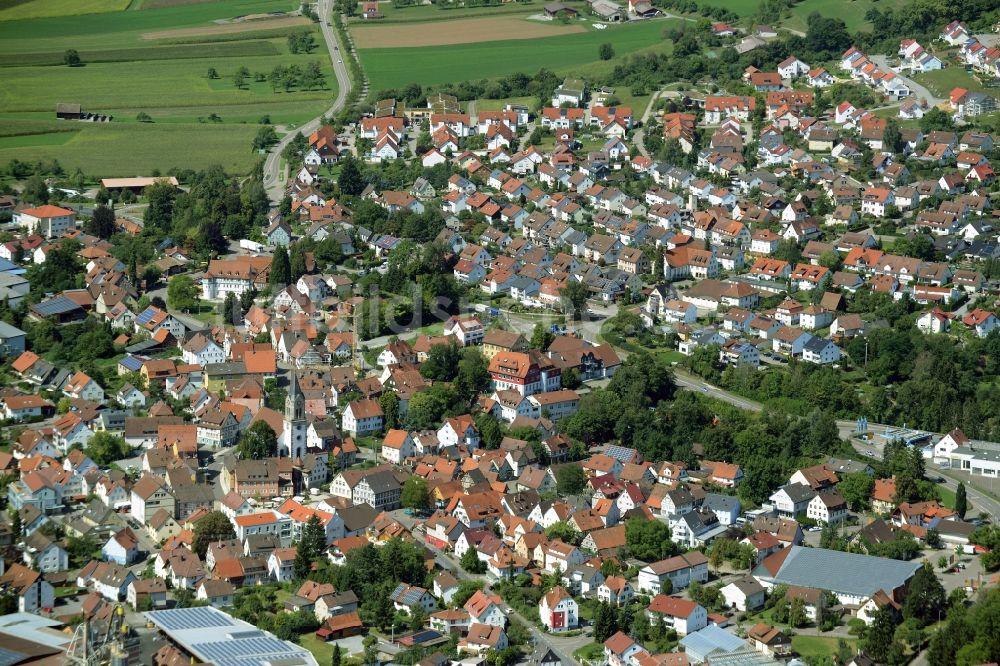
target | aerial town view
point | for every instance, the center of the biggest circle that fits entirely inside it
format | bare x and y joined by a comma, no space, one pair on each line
499,332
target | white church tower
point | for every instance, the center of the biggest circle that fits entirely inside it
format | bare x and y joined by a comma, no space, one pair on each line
293,437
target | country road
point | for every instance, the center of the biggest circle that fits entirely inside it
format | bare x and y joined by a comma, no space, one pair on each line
273,182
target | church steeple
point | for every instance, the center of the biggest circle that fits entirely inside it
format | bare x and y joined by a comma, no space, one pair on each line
295,405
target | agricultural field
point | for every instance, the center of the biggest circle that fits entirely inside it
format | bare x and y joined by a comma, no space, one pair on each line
155,62
564,54
128,149
13,10
463,31
424,13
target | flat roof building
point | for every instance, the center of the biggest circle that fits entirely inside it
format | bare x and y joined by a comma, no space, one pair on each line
215,637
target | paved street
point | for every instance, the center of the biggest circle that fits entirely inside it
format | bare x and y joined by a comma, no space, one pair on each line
918,90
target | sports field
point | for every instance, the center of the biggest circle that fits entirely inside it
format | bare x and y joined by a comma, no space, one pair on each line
564,54
156,62
462,31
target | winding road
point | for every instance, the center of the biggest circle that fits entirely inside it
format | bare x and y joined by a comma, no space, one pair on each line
273,182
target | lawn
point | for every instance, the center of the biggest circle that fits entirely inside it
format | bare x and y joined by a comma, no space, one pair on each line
590,652
12,10
499,104
566,54
322,650
126,73
814,647
948,497
942,81
851,11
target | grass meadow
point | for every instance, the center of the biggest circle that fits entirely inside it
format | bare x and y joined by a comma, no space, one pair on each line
120,149
125,73
851,11
567,54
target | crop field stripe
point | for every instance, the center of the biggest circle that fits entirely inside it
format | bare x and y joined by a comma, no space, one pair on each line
465,31
127,149
28,31
14,10
397,67
240,49
288,23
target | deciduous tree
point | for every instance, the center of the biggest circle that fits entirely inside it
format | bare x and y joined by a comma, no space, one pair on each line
258,441
215,526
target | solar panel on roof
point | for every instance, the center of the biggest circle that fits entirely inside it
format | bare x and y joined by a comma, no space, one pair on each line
54,306
131,363
190,618
620,453
146,315
261,648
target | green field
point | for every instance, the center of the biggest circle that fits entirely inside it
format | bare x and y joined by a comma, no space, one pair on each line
122,29
122,149
420,13
125,73
812,647
567,54
499,104
148,85
851,11
12,10
942,81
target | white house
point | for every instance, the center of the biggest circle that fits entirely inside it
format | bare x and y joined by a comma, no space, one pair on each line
679,570
743,595
397,446
362,417
49,221
281,564
827,507
683,615
201,350
821,351
121,548
558,611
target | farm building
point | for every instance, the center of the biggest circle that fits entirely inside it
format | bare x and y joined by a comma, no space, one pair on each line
554,9
66,111
137,185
